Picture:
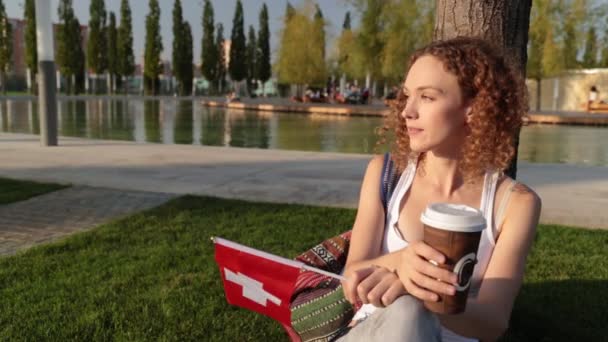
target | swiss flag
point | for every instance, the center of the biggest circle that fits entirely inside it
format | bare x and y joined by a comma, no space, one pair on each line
257,280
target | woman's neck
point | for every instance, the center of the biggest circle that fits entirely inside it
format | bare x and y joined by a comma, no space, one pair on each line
442,173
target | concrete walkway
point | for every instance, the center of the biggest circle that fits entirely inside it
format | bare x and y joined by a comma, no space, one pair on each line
57,214
572,195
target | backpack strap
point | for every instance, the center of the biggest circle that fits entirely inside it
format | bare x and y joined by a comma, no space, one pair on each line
388,181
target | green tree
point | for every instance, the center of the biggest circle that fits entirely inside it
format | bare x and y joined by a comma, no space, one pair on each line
590,56
209,50
70,55
78,56
179,46
6,46
31,51
319,30
369,37
346,22
263,60
300,59
112,53
152,50
126,60
187,67
221,59
404,32
603,62
237,65
575,13
543,53
96,46
252,55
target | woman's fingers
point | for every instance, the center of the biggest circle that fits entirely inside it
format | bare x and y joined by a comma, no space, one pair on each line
432,284
352,282
429,269
419,292
374,296
428,252
369,283
395,291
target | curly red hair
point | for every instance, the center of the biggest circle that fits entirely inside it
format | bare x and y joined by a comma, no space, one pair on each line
497,98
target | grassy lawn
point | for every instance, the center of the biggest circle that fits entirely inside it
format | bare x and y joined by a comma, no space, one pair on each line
152,277
17,190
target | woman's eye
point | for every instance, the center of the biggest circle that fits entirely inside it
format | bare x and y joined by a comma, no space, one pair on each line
427,98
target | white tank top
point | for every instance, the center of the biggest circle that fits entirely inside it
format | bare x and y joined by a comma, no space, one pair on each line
392,240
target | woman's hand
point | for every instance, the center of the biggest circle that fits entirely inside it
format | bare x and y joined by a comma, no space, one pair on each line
421,276
375,285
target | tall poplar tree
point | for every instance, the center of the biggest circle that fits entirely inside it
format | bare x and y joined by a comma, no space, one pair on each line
590,56
209,50
112,53
346,22
126,60
252,55
603,63
319,30
187,66
178,54
70,55
6,46
78,56
237,64
220,67
264,70
96,47
31,51
153,49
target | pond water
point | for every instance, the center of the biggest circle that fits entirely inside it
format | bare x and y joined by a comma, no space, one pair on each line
188,122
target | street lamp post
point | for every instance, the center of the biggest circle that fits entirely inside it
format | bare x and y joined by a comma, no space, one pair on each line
47,104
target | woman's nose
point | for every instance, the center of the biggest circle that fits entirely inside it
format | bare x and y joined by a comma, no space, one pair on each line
410,111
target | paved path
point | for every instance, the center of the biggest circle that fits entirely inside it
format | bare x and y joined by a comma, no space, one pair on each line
54,215
572,195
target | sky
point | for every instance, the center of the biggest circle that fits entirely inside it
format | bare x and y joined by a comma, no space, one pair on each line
333,12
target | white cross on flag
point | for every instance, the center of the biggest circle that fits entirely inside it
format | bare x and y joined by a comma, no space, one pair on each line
257,280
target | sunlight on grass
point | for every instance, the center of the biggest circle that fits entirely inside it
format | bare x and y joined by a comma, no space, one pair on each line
152,276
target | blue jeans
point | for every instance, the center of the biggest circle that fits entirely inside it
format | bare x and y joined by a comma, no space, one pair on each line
405,320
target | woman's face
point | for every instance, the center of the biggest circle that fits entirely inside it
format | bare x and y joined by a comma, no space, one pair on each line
435,113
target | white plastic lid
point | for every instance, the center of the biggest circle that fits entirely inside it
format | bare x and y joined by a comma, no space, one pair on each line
454,217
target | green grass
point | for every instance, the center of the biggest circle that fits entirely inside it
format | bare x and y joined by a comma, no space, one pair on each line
152,276
17,190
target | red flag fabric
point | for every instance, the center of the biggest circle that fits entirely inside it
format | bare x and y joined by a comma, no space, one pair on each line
256,280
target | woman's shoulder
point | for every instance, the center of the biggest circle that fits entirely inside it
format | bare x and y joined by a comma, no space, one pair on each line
524,203
519,190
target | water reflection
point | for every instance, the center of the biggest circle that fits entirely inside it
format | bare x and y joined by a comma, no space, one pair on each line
187,122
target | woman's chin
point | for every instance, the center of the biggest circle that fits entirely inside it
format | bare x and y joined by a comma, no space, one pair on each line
417,148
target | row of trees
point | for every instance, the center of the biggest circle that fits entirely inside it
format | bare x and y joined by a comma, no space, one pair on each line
109,48
249,57
559,31
6,46
389,31
562,36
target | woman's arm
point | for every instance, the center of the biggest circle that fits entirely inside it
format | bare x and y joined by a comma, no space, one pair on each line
372,277
487,316
364,254
366,239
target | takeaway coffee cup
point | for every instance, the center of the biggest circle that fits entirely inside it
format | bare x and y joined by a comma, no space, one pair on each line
454,230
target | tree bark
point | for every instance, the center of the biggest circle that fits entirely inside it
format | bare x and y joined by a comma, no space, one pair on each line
503,22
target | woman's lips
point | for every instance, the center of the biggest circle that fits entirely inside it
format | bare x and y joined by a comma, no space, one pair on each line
413,131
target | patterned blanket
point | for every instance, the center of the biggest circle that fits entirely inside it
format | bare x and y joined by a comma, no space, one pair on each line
319,311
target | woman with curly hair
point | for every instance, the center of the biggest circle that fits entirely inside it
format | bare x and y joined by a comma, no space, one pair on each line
454,123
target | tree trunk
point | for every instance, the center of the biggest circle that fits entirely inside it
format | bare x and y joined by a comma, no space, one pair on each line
503,22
